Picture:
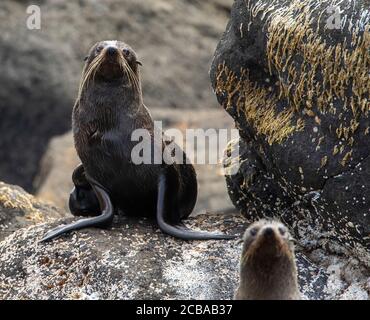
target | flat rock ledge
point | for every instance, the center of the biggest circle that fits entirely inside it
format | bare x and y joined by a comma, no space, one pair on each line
134,260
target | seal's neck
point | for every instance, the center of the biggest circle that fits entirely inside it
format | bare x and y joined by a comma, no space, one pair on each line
272,280
108,104
113,95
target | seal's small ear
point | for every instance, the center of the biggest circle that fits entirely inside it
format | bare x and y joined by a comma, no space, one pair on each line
87,57
138,62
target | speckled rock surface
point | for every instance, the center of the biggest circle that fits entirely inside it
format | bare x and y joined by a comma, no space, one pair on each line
134,260
19,209
298,91
131,261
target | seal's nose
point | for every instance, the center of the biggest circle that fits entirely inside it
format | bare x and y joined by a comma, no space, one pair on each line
268,232
111,51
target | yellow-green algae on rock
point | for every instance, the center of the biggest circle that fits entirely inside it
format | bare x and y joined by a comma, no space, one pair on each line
257,104
297,82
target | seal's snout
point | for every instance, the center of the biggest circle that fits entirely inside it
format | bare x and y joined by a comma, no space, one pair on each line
268,232
111,52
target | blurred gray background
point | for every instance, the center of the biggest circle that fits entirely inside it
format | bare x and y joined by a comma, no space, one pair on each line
40,71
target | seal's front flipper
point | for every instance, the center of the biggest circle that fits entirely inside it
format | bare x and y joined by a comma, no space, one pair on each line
101,221
167,209
82,199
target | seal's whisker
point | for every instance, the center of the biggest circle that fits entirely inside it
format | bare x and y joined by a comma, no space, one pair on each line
134,78
99,62
123,65
88,72
130,74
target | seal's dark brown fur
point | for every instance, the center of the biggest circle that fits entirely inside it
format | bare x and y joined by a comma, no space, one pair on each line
108,109
267,265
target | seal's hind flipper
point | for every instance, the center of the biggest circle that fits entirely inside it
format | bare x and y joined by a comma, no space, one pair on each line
102,220
167,195
82,199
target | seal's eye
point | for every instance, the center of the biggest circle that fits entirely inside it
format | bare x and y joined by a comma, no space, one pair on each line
98,49
282,231
126,52
253,231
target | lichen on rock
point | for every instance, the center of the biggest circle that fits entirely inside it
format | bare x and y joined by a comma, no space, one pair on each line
298,91
19,209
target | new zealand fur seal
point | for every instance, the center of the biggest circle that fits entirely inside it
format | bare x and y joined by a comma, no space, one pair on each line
109,107
267,266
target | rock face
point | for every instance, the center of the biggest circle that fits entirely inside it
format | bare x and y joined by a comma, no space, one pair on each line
40,69
298,91
134,260
19,209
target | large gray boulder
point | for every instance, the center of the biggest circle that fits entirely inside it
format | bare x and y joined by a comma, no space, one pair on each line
298,91
134,260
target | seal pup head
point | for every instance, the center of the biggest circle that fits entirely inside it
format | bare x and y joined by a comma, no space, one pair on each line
267,265
267,238
111,61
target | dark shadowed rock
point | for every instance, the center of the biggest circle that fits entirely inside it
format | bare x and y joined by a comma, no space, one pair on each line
134,260
298,91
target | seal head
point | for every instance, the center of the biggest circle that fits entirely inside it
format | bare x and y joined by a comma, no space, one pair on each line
109,62
267,266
